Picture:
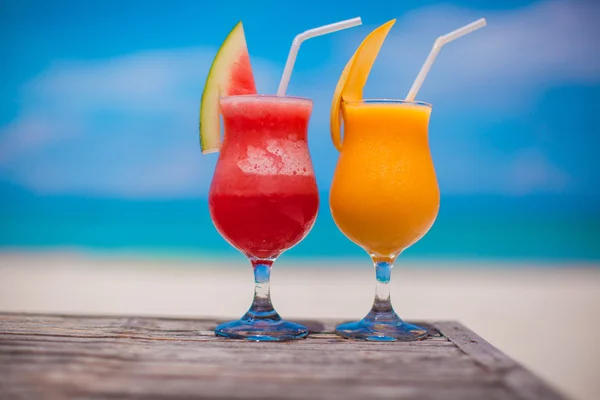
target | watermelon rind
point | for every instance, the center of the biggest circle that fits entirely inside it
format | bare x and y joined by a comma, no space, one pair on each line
217,85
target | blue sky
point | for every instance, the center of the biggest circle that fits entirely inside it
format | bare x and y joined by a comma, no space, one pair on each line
101,98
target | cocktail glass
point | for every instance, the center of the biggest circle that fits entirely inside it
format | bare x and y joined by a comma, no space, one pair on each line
263,198
384,197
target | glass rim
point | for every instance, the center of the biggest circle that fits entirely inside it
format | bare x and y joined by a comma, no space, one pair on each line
389,101
266,97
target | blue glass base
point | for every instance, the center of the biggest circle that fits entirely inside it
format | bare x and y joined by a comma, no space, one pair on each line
271,330
261,322
387,330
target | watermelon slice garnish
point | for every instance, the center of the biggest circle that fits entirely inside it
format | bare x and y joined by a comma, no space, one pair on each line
229,75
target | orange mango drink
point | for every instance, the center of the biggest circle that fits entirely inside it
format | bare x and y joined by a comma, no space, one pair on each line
384,195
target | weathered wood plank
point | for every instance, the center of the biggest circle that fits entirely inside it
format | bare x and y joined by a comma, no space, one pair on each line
148,328
145,374
265,389
475,346
49,356
528,387
516,378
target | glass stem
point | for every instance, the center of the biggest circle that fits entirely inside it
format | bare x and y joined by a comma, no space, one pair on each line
382,310
383,273
262,308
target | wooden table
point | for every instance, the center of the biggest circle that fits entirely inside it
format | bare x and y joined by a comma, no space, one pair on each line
55,357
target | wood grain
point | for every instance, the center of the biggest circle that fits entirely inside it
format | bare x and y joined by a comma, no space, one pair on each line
56,357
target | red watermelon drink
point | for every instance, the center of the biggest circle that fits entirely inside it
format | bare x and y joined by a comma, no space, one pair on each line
263,197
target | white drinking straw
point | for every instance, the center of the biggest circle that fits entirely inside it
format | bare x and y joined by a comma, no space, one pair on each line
311,33
437,46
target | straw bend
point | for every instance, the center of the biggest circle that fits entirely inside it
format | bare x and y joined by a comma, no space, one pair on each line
437,46
480,23
311,33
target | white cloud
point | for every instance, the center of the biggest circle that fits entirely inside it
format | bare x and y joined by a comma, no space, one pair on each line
149,81
468,170
31,132
530,171
509,63
175,171
63,101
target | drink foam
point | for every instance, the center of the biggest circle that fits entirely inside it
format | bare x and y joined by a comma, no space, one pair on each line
280,157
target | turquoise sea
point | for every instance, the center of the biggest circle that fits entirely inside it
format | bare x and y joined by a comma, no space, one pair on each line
486,227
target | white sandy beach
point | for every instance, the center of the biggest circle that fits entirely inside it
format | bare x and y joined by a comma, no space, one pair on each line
546,318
